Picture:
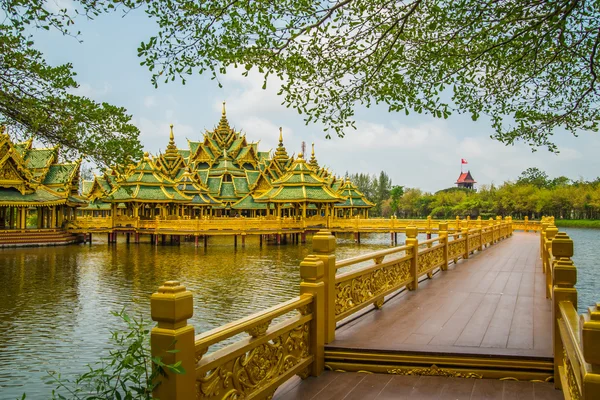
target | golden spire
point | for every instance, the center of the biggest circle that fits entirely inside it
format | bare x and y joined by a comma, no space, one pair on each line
171,147
281,153
223,129
313,161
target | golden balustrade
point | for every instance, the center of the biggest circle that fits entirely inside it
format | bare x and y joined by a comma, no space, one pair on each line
179,225
252,367
289,338
576,338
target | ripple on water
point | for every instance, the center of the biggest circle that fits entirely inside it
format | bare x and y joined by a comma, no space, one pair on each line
55,302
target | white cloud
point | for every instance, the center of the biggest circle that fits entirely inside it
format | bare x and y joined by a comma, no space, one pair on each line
55,6
93,92
149,101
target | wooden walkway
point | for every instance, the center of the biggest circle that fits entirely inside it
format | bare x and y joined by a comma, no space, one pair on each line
359,386
490,308
491,304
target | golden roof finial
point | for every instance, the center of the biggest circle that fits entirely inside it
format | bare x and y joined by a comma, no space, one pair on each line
300,156
223,110
313,160
171,133
280,135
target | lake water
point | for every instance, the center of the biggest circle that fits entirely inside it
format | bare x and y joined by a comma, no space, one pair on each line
55,302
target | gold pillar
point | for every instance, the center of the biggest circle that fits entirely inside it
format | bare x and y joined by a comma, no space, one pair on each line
413,243
53,217
24,218
443,235
565,278
311,272
465,231
324,245
171,307
590,341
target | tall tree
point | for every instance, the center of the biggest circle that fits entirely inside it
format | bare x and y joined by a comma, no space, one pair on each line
37,99
530,65
534,176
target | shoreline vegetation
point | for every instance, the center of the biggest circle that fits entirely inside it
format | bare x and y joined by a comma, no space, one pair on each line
573,203
577,223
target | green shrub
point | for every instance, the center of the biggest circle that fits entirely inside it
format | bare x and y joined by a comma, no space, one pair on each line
129,371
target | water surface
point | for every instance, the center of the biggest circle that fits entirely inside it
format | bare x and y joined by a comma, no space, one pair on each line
55,302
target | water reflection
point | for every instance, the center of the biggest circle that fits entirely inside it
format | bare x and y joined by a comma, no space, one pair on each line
55,302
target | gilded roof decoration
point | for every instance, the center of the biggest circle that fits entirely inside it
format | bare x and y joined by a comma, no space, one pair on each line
30,176
222,170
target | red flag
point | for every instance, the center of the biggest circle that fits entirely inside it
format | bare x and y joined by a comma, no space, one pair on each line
463,161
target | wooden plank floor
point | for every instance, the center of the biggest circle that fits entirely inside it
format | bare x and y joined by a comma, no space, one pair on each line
491,304
360,386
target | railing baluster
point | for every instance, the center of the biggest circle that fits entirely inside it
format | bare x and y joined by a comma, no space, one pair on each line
311,272
565,278
171,307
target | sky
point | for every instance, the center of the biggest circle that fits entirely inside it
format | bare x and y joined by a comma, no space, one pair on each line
415,151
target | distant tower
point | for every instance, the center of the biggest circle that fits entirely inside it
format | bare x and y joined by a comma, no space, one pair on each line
465,180
303,147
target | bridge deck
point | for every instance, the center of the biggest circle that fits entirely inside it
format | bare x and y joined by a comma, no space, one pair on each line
359,386
491,304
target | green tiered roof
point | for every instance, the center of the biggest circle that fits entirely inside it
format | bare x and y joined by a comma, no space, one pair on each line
300,185
223,171
145,182
30,176
354,197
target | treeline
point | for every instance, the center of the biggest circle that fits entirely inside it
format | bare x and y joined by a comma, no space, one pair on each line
533,194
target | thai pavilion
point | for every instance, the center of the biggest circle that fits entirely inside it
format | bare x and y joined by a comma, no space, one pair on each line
36,191
221,175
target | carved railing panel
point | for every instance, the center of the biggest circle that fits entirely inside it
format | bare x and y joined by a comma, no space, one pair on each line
474,242
430,259
357,289
258,364
457,248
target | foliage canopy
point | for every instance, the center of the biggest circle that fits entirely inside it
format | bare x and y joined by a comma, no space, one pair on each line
38,99
530,65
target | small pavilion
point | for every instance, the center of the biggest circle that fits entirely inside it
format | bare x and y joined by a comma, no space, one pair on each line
356,202
301,192
465,180
36,191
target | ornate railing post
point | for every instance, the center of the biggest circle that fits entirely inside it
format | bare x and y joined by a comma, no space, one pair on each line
413,242
550,232
465,231
564,280
170,308
428,229
457,226
590,341
480,228
443,235
510,226
499,224
324,245
526,224
544,225
311,272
